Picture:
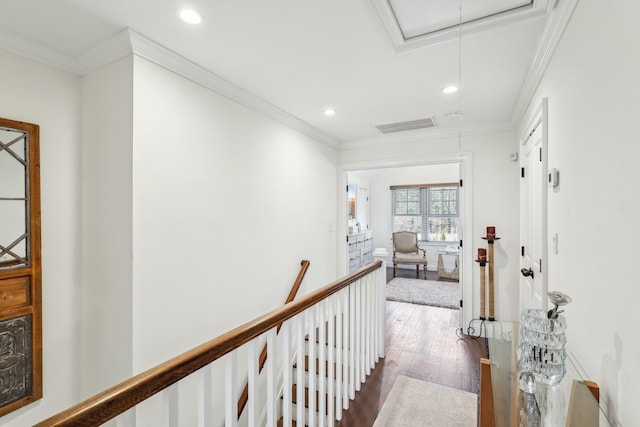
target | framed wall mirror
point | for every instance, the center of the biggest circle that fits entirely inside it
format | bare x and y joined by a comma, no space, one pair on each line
20,266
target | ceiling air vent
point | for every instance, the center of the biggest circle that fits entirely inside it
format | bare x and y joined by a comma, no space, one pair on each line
429,122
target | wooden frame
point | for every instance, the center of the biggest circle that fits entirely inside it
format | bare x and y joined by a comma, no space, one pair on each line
487,418
583,409
442,184
21,293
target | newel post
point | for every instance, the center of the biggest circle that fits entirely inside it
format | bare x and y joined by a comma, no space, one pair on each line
381,254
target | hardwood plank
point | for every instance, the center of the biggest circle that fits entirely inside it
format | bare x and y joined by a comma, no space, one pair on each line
421,343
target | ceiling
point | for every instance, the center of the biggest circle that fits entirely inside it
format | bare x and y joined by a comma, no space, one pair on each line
374,65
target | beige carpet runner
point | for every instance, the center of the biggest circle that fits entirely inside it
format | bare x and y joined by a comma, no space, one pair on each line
425,292
413,403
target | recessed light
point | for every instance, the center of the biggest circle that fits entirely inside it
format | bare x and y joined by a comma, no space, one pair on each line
454,115
190,16
329,112
450,89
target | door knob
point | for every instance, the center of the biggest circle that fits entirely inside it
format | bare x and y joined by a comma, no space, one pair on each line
527,272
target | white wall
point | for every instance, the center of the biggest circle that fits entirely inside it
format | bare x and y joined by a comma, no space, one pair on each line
226,204
185,202
591,85
107,135
495,186
39,94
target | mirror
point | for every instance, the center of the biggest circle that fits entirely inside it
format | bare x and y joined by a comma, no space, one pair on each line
14,227
20,266
351,200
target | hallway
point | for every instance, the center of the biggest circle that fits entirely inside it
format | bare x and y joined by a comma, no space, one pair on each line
421,343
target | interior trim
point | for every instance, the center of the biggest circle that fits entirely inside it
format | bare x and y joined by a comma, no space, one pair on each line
400,44
554,29
436,185
426,135
152,51
129,42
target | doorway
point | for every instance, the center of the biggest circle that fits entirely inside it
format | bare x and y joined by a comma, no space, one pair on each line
450,255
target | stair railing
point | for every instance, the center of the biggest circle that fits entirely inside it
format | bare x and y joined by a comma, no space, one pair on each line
348,315
244,396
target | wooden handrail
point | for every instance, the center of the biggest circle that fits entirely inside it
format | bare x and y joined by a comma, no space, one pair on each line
244,396
110,403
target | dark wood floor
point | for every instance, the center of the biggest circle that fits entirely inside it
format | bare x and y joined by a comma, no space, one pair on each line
422,343
411,274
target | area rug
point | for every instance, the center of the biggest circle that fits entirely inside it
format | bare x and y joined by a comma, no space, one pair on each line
425,292
412,403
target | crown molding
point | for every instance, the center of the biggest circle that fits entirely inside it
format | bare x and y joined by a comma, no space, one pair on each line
110,50
551,36
104,53
403,161
425,136
161,56
129,42
37,52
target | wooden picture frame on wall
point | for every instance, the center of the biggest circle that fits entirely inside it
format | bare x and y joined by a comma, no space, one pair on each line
20,266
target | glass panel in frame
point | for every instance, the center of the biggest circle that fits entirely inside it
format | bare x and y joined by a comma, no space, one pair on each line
14,225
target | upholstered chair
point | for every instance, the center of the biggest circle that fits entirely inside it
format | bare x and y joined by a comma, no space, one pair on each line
406,251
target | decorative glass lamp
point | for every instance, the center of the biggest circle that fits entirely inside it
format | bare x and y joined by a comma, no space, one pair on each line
541,351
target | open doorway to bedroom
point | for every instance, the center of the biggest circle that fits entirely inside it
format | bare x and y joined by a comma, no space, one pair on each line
426,200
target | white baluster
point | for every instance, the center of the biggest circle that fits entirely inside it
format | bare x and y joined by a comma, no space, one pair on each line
381,281
367,325
300,369
375,313
270,366
285,333
381,311
127,419
372,323
311,410
252,366
340,363
352,341
231,393
322,360
363,328
332,349
170,405
205,397
359,337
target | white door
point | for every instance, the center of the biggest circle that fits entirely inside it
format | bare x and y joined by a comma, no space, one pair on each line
533,206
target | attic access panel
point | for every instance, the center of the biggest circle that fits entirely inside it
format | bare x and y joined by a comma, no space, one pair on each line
417,18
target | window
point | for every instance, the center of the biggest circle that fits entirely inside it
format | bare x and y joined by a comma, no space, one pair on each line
406,210
431,210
